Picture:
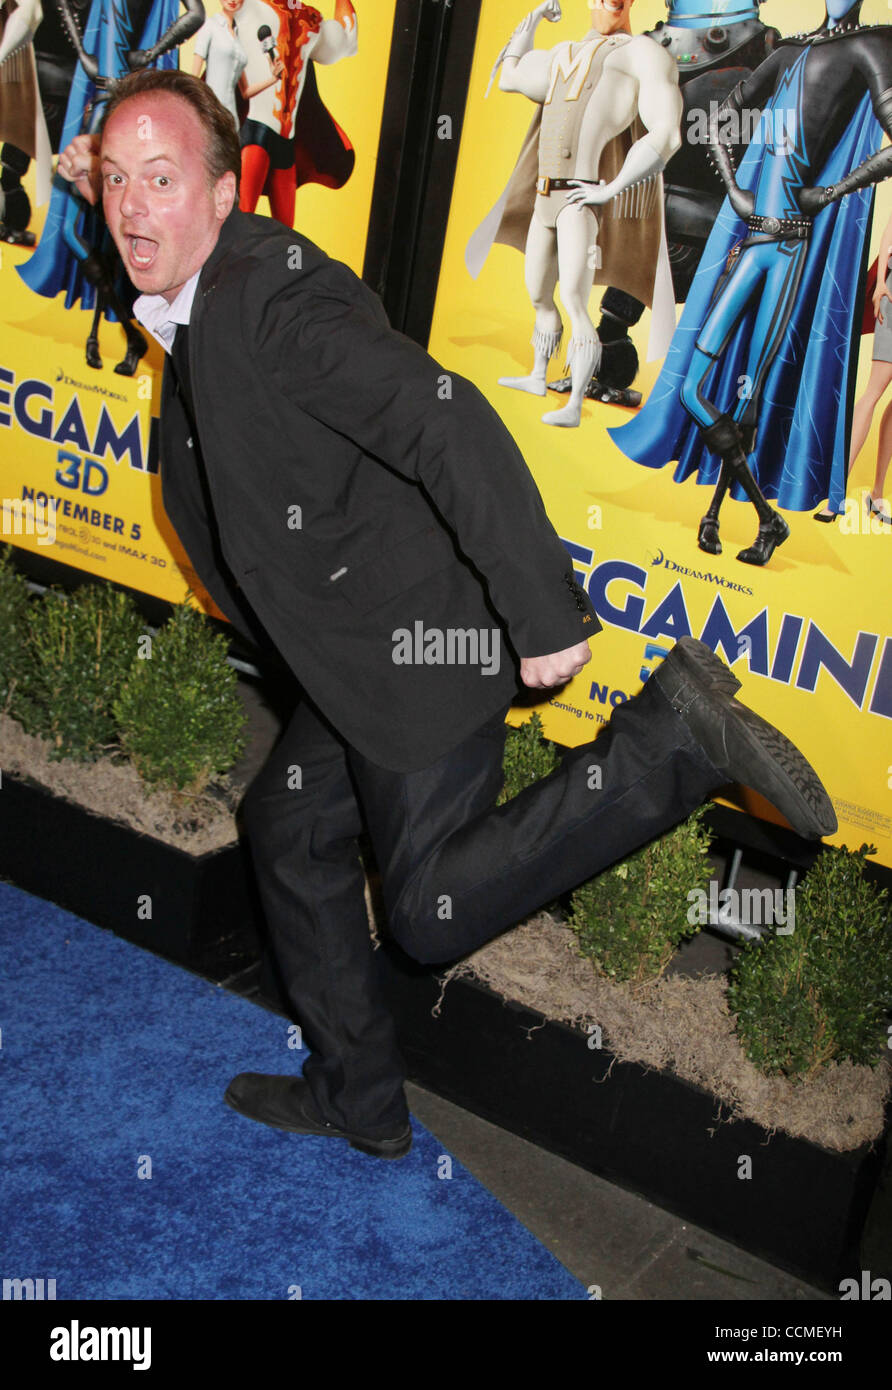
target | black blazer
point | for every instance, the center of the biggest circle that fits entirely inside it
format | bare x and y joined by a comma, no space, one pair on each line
415,506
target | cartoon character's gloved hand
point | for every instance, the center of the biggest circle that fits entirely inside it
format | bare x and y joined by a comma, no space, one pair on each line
811,200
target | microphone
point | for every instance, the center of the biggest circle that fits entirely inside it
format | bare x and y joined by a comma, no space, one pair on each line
267,43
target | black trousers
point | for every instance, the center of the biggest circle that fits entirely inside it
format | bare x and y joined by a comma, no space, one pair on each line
456,869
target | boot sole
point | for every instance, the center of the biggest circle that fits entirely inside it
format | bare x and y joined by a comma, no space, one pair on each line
701,665
377,1148
389,1149
786,778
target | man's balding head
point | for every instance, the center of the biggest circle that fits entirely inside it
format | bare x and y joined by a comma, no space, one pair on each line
222,149
168,181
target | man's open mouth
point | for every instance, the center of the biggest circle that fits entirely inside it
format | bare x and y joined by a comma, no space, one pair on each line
142,251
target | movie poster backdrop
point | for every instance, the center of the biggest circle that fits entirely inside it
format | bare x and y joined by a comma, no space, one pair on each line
77,441
809,633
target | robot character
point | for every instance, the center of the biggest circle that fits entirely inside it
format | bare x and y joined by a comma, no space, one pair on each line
75,253
759,376
716,45
609,121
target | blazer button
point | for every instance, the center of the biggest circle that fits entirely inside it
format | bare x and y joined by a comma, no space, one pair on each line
189,442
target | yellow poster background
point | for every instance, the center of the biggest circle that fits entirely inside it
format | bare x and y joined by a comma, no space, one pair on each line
611,509
55,441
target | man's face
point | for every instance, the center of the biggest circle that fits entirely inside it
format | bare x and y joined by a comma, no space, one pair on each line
611,16
162,211
838,9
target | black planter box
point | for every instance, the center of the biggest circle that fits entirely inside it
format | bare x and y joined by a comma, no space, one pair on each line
202,915
805,1208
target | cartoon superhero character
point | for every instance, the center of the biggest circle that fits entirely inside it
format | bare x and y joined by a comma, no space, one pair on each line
75,254
220,52
715,44
609,120
754,394
289,138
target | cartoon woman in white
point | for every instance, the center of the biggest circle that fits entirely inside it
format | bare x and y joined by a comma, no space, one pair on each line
217,45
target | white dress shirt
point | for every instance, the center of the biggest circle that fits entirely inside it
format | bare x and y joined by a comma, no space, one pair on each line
160,318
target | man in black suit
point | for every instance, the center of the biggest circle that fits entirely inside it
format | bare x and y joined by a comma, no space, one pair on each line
369,513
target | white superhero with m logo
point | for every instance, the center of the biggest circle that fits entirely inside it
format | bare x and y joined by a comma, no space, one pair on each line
609,120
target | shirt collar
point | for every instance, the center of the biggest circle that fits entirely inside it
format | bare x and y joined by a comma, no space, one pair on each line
160,318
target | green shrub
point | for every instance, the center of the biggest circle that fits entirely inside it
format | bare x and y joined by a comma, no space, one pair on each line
821,994
14,602
81,647
631,919
528,756
179,717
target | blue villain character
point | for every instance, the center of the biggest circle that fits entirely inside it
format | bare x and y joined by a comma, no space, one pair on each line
75,253
755,393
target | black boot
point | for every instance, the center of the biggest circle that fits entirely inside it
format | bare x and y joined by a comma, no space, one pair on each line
748,436
772,533
726,438
136,348
722,438
619,357
15,207
708,535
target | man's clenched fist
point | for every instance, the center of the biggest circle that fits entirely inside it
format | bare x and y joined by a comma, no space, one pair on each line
79,164
540,672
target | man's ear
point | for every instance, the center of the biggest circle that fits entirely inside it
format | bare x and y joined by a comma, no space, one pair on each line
225,190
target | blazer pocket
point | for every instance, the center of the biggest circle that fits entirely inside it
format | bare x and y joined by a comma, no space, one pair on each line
408,562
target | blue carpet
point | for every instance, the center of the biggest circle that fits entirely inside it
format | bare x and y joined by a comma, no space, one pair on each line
111,1056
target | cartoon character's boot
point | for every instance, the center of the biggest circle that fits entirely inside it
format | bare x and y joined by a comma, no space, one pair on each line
725,438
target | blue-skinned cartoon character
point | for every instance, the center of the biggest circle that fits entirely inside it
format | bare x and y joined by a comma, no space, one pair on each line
75,253
755,393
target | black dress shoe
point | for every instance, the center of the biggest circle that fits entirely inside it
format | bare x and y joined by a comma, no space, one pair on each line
771,534
743,747
285,1102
